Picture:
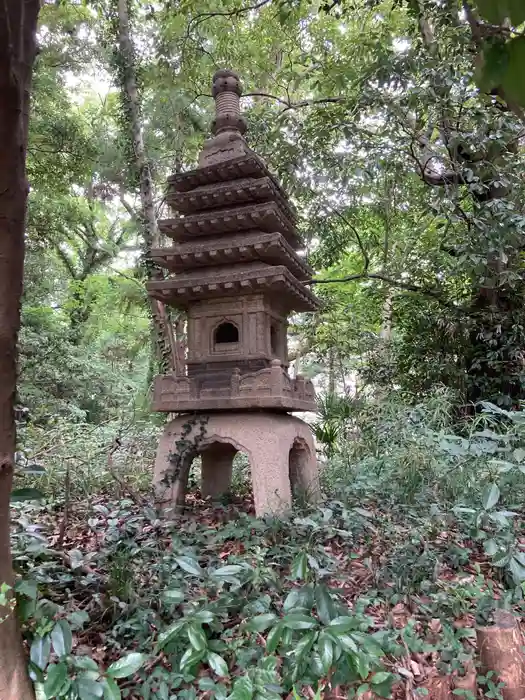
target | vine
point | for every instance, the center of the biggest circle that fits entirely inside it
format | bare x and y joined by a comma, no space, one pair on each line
191,437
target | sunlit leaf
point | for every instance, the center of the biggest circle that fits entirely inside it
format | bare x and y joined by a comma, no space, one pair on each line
126,666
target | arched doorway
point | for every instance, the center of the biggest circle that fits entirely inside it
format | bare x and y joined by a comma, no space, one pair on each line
298,461
216,469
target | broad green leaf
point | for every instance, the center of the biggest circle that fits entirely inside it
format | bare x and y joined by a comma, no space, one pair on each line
380,677
127,665
40,650
494,68
519,452
517,570
300,566
260,623
513,82
326,652
111,690
347,643
490,547
56,679
303,646
190,566
501,559
87,663
368,643
273,638
242,689
205,617
497,11
494,11
27,587
218,664
491,494
227,571
88,688
197,637
169,634
342,624
62,638
206,683
298,621
324,603
516,11
190,657
299,598
173,596
362,665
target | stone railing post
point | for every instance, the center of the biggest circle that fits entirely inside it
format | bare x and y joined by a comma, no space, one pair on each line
235,381
276,378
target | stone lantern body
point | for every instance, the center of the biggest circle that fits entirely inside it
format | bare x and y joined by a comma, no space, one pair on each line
234,269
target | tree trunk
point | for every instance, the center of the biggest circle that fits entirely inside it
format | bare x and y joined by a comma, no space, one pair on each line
386,322
331,371
18,20
500,650
164,336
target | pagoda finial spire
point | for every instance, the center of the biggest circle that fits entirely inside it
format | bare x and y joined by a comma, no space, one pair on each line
227,90
228,126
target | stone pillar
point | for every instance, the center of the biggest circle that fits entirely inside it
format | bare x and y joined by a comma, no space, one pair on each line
279,447
217,463
272,492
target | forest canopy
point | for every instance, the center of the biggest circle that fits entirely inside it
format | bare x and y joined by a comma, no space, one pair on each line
403,161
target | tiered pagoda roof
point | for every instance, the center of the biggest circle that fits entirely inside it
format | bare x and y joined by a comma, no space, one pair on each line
235,236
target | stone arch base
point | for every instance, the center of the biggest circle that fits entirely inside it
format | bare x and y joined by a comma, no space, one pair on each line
280,448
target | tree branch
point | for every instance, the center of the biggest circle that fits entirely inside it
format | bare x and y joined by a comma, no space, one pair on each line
67,262
366,259
406,286
203,16
297,105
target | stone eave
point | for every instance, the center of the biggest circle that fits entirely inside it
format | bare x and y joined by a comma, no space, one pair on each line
267,217
284,404
232,169
268,247
272,280
227,194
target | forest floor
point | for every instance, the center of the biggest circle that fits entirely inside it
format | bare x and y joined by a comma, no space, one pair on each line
330,602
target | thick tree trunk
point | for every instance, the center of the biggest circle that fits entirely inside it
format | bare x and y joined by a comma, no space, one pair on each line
18,20
164,336
500,650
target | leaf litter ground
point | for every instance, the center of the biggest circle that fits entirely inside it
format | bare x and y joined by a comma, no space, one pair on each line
336,601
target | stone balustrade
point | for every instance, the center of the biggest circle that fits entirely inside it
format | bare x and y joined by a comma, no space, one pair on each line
268,388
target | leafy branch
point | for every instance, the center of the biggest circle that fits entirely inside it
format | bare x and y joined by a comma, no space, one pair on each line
406,286
204,16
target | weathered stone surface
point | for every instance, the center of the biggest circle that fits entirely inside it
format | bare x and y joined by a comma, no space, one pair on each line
279,447
226,194
271,248
224,281
248,165
269,388
235,270
266,216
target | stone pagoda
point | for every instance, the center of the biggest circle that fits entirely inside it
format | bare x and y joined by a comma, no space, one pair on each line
234,269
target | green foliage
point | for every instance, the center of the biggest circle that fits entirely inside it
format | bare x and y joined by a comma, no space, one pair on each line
242,607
